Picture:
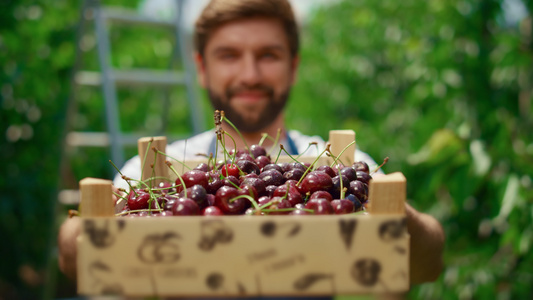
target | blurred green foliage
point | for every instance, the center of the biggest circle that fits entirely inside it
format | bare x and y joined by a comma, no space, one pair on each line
442,88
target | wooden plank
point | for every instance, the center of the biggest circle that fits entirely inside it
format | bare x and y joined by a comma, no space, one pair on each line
154,165
387,194
96,198
339,139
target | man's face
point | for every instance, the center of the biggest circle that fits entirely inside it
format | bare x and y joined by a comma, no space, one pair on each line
248,71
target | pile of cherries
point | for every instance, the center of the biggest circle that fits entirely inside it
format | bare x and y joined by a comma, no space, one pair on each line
251,183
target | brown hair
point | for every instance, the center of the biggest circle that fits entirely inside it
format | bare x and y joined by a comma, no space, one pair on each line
219,12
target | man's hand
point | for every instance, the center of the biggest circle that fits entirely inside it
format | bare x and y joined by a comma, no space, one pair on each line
66,242
426,246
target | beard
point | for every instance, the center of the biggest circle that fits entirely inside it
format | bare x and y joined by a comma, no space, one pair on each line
249,124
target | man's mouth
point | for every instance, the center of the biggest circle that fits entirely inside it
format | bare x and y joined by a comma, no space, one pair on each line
250,94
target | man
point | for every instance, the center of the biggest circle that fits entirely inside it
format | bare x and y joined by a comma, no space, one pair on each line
247,59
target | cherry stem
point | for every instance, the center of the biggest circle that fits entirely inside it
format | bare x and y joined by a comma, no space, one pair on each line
127,179
179,177
254,203
308,147
73,213
234,146
236,130
278,135
136,211
287,209
379,167
314,162
336,158
263,138
182,163
146,155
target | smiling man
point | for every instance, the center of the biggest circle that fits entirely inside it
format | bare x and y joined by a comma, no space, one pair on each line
247,60
248,69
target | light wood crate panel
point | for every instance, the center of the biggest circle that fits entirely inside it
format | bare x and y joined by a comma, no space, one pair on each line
243,255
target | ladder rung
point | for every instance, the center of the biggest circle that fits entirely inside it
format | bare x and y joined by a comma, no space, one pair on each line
101,139
133,77
90,139
69,197
120,15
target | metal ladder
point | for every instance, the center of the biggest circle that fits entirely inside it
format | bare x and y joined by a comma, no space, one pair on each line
110,78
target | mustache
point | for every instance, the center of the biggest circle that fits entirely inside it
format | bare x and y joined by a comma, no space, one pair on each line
230,92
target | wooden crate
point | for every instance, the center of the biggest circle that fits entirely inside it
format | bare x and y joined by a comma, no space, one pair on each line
244,255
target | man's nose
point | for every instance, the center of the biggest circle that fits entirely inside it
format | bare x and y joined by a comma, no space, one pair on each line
250,71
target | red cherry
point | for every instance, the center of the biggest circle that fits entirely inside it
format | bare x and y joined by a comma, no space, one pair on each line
230,170
342,206
185,207
224,199
212,211
320,206
138,199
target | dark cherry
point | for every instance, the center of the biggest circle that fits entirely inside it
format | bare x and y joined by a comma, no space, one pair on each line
315,181
320,206
224,199
336,188
258,183
165,187
251,175
138,199
214,182
202,167
168,205
363,176
321,195
249,190
326,169
342,206
185,207
198,194
359,190
300,206
165,213
361,166
291,182
272,167
294,174
269,190
210,199
262,161
263,200
356,202
248,166
212,211
297,165
284,167
191,178
231,181
279,203
245,156
257,150
272,177
337,167
349,173
290,193
299,212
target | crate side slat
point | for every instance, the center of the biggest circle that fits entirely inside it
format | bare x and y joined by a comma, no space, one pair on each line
199,256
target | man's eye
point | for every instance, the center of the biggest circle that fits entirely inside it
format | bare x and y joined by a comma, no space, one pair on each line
227,56
268,56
